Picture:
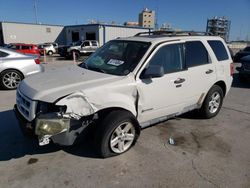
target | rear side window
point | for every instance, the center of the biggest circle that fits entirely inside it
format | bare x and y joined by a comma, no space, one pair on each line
3,54
171,57
94,43
247,49
26,47
219,49
196,54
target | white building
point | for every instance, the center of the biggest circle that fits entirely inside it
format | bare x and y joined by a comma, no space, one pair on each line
100,32
12,32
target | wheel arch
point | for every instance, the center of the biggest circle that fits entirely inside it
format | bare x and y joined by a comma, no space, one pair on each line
9,69
103,112
223,86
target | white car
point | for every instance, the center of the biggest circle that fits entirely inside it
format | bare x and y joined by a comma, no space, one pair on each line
49,48
82,48
127,84
15,66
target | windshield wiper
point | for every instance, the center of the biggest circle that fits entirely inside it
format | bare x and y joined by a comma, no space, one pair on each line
96,69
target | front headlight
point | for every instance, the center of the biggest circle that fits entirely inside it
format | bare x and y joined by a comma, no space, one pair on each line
44,107
46,126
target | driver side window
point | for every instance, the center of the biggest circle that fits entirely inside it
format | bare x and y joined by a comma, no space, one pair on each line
170,57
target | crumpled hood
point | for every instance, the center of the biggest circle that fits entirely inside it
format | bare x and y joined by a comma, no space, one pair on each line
58,82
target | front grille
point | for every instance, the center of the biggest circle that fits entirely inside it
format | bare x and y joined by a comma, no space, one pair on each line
26,106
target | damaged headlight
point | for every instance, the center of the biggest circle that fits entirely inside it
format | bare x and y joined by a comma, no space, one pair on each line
51,125
45,107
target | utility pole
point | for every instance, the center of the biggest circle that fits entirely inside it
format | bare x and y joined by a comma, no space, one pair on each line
35,9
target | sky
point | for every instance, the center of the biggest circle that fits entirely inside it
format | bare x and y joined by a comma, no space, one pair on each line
181,14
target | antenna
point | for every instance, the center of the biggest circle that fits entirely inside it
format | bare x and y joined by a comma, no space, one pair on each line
35,9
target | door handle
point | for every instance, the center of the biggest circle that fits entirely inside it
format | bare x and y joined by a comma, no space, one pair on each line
179,81
209,71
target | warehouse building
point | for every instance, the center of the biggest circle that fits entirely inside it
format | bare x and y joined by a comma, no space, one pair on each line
100,32
12,32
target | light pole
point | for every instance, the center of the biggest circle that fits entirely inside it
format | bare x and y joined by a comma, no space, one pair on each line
35,9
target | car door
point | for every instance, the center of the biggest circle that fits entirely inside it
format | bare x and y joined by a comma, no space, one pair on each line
85,47
159,97
201,72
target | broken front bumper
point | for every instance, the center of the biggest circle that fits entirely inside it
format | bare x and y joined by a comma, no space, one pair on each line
47,127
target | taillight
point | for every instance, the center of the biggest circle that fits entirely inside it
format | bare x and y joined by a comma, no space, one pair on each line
231,69
37,61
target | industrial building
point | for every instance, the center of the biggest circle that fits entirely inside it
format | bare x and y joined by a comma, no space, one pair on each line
219,26
12,32
147,18
100,32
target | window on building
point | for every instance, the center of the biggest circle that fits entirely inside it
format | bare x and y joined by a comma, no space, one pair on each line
196,54
48,30
171,57
218,49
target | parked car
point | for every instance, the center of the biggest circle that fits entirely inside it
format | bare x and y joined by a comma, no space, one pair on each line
48,48
127,84
15,66
242,53
25,48
244,70
82,48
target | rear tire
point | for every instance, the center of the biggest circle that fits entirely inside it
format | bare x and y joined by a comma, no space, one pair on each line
116,133
212,103
50,53
10,79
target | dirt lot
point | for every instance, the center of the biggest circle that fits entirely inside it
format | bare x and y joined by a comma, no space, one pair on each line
208,153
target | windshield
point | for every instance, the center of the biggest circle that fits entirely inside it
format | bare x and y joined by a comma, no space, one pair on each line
117,57
78,43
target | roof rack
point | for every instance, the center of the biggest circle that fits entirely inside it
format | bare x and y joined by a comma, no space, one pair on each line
175,33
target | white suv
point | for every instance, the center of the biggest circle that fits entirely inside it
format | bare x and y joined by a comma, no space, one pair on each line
124,86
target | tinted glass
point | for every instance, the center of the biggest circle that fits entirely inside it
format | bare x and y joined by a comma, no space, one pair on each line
86,44
196,54
218,49
94,43
247,49
3,54
170,57
26,47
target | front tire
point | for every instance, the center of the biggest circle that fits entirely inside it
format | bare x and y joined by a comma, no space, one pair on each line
116,134
212,103
10,79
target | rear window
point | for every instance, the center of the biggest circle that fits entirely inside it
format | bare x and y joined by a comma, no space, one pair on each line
3,54
247,49
196,54
219,50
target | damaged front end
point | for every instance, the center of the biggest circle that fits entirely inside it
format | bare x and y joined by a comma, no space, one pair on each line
63,121
61,130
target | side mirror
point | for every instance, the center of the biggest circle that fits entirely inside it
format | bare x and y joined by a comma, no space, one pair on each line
153,71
